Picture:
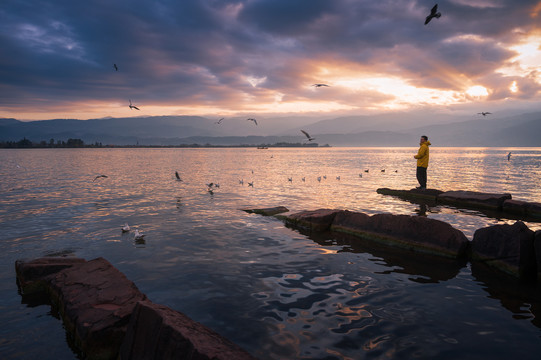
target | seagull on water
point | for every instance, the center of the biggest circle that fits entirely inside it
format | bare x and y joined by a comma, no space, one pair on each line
137,235
252,119
177,176
307,135
320,85
433,14
484,113
99,176
125,228
133,106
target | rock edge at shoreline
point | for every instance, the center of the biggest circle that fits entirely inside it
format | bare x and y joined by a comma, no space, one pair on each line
108,318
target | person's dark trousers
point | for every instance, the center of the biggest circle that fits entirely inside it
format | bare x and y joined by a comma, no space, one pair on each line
421,176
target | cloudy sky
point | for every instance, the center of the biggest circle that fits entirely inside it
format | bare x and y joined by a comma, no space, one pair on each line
261,57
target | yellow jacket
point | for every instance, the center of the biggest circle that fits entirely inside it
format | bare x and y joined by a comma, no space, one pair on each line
423,154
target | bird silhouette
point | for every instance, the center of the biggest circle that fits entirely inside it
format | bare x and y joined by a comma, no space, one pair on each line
252,119
484,113
219,121
99,176
307,135
177,176
320,85
433,14
133,106
509,156
116,67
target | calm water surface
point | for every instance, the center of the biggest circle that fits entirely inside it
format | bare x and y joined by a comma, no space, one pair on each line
274,291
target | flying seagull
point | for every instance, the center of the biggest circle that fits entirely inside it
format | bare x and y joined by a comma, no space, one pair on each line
509,156
116,67
133,106
219,121
307,135
320,85
433,14
99,176
484,113
177,176
252,119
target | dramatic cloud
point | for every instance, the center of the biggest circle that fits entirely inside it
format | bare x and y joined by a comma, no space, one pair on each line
262,56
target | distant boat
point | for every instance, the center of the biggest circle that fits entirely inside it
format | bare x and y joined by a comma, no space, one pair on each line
262,147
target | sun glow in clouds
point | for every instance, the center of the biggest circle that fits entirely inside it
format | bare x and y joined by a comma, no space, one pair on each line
514,87
526,62
477,91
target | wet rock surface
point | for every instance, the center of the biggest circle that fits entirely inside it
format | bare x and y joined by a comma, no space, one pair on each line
96,302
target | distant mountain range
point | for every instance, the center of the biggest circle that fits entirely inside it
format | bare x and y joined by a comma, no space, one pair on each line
379,130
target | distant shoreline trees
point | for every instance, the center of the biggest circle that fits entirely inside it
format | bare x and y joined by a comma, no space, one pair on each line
25,143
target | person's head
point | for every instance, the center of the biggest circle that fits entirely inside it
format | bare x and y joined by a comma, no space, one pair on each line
424,138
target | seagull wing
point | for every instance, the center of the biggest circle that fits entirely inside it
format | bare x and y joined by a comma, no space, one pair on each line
305,133
434,10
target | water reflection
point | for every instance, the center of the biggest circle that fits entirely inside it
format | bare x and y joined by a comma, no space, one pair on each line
292,296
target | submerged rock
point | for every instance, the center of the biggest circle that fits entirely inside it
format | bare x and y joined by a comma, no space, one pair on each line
509,248
268,211
316,220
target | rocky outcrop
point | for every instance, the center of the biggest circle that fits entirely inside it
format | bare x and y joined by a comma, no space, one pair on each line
488,203
268,211
156,332
413,194
94,299
415,233
509,248
316,220
96,303
475,199
537,249
524,208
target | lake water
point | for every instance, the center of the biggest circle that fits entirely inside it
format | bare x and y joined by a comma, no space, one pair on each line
274,291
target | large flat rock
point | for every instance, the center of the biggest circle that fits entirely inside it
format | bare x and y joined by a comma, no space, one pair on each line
416,233
509,248
156,332
97,302
474,199
94,299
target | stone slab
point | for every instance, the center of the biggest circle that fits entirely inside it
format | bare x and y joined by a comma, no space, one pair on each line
509,248
156,332
268,211
474,199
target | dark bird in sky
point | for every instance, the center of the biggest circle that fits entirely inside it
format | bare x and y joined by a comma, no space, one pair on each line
116,67
509,156
307,135
133,106
320,85
177,176
433,14
252,119
99,176
484,113
219,121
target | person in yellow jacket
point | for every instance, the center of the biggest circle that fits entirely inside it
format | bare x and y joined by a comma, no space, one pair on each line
422,161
